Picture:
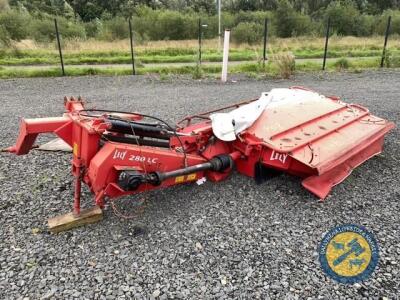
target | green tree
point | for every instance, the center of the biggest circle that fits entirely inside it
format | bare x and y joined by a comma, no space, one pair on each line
382,22
247,32
209,6
288,22
344,16
15,24
69,12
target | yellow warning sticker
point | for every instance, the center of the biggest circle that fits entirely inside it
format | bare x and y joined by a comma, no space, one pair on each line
75,149
179,179
192,176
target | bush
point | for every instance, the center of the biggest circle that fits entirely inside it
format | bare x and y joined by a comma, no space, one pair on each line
391,61
365,25
394,62
252,17
197,73
167,24
43,30
302,25
171,25
346,19
16,24
114,29
5,40
342,64
70,29
395,23
249,33
289,23
93,28
227,20
286,64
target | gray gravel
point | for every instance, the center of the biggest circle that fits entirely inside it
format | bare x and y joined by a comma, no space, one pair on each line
228,240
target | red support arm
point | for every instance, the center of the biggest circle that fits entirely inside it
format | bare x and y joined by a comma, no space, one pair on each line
29,130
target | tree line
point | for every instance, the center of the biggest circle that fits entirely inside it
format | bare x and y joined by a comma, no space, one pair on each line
178,19
92,9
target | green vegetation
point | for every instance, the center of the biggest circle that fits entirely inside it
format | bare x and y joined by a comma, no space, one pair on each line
342,64
96,32
248,33
279,68
5,40
36,57
288,22
198,72
74,71
391,59
15,57
178,20
285,63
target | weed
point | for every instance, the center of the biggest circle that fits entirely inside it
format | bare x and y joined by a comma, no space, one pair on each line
164,76
342,64
31,264
285,63
391,60
197,73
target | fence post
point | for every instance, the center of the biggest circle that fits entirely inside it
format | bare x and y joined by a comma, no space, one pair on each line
326,42
224,74
59,47
131,42
199,59
219,24
386,39
265,41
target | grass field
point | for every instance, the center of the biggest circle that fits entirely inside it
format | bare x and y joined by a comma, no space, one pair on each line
256,70
94,52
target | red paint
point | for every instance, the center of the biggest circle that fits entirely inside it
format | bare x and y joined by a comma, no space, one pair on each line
321,144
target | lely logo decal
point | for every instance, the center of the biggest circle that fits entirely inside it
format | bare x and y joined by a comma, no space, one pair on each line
348,253
119,154
278,156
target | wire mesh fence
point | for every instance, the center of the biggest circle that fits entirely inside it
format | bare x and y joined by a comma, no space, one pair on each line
206,50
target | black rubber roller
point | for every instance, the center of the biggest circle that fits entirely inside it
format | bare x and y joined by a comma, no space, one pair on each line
221,162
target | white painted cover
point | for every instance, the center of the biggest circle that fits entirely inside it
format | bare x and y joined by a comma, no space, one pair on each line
226,126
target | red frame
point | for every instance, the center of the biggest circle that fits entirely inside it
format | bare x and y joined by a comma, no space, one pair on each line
98,167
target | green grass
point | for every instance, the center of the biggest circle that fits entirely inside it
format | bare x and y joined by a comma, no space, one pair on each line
76,71
34,57
340,64
170,55
253,69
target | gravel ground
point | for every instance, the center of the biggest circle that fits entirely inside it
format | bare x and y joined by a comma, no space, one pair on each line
228,240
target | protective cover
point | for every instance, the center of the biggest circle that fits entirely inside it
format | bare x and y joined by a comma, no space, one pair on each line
226,126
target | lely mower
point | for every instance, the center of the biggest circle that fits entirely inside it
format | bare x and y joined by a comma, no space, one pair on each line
298,131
